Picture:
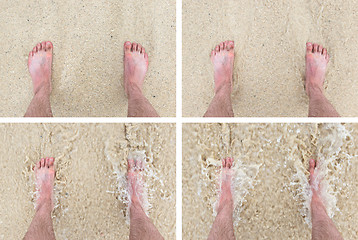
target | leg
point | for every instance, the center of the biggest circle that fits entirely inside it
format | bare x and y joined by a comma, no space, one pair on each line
135,68
223,227
222,58
41,225
317,59
140,225
40,62
322,226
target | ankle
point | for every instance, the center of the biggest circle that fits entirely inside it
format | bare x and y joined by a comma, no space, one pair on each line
43,91
223,89
133,91
314,91
45,207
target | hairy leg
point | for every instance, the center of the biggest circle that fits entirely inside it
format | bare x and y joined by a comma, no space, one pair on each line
317,59
39,64
222,58
135,68
323,227
223,227
141,227
41,227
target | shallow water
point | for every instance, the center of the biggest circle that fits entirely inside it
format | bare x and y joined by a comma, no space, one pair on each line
90,187
271,192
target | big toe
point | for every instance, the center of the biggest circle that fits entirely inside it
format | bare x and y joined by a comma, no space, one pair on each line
312,165
127,46
309,47
230,45
49,46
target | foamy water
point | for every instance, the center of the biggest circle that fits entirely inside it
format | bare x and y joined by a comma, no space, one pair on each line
270,187
90,186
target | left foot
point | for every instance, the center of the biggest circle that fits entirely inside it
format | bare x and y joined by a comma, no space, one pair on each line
135,66
222,58
226,177
45,175
135,183
314,181
39,64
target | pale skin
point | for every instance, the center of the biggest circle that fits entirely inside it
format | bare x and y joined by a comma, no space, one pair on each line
41,227
39,64
135,69
317,60
222,58
323,227
141,227
223,227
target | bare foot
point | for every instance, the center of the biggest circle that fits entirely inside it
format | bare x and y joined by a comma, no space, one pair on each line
314,181
226,177
222,58
317,59
135,66
45,174
135,183
40,63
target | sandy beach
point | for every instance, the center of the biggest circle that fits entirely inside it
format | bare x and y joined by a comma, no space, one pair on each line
270,180
88,38
270,39
90,186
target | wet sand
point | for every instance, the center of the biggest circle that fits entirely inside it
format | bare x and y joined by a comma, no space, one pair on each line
270,39
88,38
270,185
90,184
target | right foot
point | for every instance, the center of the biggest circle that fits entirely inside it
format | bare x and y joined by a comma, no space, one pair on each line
40,63
135,66
44,175
135,182
317,59
222,58
225,191
314,181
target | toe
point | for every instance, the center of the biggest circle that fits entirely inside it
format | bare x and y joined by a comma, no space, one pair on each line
139,48
309,47
230,45
34,50
222,47
224,162
320,48
315,47
217,48
146,56
43,45
39,46
42,162
324,52
127,46
213,53
47,162
49,46
229,161
134,47
312,165
51,161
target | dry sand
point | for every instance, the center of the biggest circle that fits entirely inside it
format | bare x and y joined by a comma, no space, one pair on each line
271,178
270,39
90,186
88,38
